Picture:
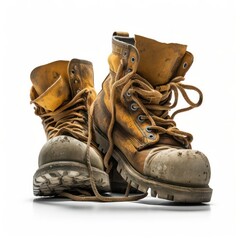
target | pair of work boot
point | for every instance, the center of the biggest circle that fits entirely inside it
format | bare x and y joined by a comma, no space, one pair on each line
124,139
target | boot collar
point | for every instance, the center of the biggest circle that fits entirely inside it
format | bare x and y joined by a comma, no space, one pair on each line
124,48
155,61
61,81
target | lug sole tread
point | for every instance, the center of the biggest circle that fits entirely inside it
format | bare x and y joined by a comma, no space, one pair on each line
52,179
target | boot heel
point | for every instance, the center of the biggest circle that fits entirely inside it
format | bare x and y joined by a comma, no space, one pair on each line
100,140
118,184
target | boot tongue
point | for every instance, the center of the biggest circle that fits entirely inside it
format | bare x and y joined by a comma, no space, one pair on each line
158,61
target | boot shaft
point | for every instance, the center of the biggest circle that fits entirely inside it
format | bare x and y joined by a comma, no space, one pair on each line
144,77
62,92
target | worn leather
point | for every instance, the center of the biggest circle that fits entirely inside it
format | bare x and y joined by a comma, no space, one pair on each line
125,137
59,80
157,63
122,51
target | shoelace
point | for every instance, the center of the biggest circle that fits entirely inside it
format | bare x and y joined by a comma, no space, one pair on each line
154,100
97,196
71,119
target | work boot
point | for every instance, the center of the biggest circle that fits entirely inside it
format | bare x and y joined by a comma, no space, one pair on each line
62,92
133,126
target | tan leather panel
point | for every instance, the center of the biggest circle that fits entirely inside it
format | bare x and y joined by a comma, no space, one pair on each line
57,82
44,76
54,96
158,61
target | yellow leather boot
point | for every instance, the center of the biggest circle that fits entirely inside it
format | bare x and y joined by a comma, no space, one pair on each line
133,126
62,92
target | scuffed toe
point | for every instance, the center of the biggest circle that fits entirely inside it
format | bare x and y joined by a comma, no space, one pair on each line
179,166
66,148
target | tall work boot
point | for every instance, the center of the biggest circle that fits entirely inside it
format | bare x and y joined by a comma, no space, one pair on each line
133,126
62,92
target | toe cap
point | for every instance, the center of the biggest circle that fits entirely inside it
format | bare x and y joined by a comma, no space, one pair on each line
179,166
66,148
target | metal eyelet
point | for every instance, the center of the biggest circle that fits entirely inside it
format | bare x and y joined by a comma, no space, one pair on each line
129,70
151,136
76,81
148,129
140,118
128,94
134,107
185,65
133,59
125,53
72,71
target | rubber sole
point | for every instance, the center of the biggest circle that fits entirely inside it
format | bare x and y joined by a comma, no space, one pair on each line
118,184
142,183
56,177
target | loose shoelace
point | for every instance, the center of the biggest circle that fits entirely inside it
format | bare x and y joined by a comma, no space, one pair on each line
150,100
97,196
71,119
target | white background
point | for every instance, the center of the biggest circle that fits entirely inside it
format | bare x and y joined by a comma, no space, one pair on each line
37,32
